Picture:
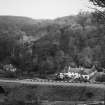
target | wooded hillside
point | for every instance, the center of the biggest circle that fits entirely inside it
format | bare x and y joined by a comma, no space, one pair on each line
46,46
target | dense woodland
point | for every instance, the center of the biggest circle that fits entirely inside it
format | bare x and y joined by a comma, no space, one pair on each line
46,46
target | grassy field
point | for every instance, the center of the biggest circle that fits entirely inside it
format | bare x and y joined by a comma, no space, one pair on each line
52,92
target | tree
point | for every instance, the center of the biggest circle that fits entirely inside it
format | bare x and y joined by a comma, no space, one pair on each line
85,57
82,19
99,14
10,37
100,3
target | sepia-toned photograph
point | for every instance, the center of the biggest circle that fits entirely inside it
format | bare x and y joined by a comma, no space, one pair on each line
52,52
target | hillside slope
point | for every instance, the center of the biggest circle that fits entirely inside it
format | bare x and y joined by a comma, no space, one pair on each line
50,45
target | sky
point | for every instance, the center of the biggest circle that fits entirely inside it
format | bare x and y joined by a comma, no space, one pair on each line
42,9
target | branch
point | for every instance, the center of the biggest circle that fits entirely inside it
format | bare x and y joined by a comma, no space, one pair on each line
100,3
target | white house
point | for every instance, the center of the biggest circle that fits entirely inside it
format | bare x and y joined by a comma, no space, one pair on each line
72,72
79,72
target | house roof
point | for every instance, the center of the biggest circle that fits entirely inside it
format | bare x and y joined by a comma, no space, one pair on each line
75,70
78,70
88,71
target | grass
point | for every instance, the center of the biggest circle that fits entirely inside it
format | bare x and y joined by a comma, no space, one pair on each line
54,91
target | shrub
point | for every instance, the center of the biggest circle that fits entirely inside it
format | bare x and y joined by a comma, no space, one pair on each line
100,77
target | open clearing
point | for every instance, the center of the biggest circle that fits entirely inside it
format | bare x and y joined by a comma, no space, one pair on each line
53,91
